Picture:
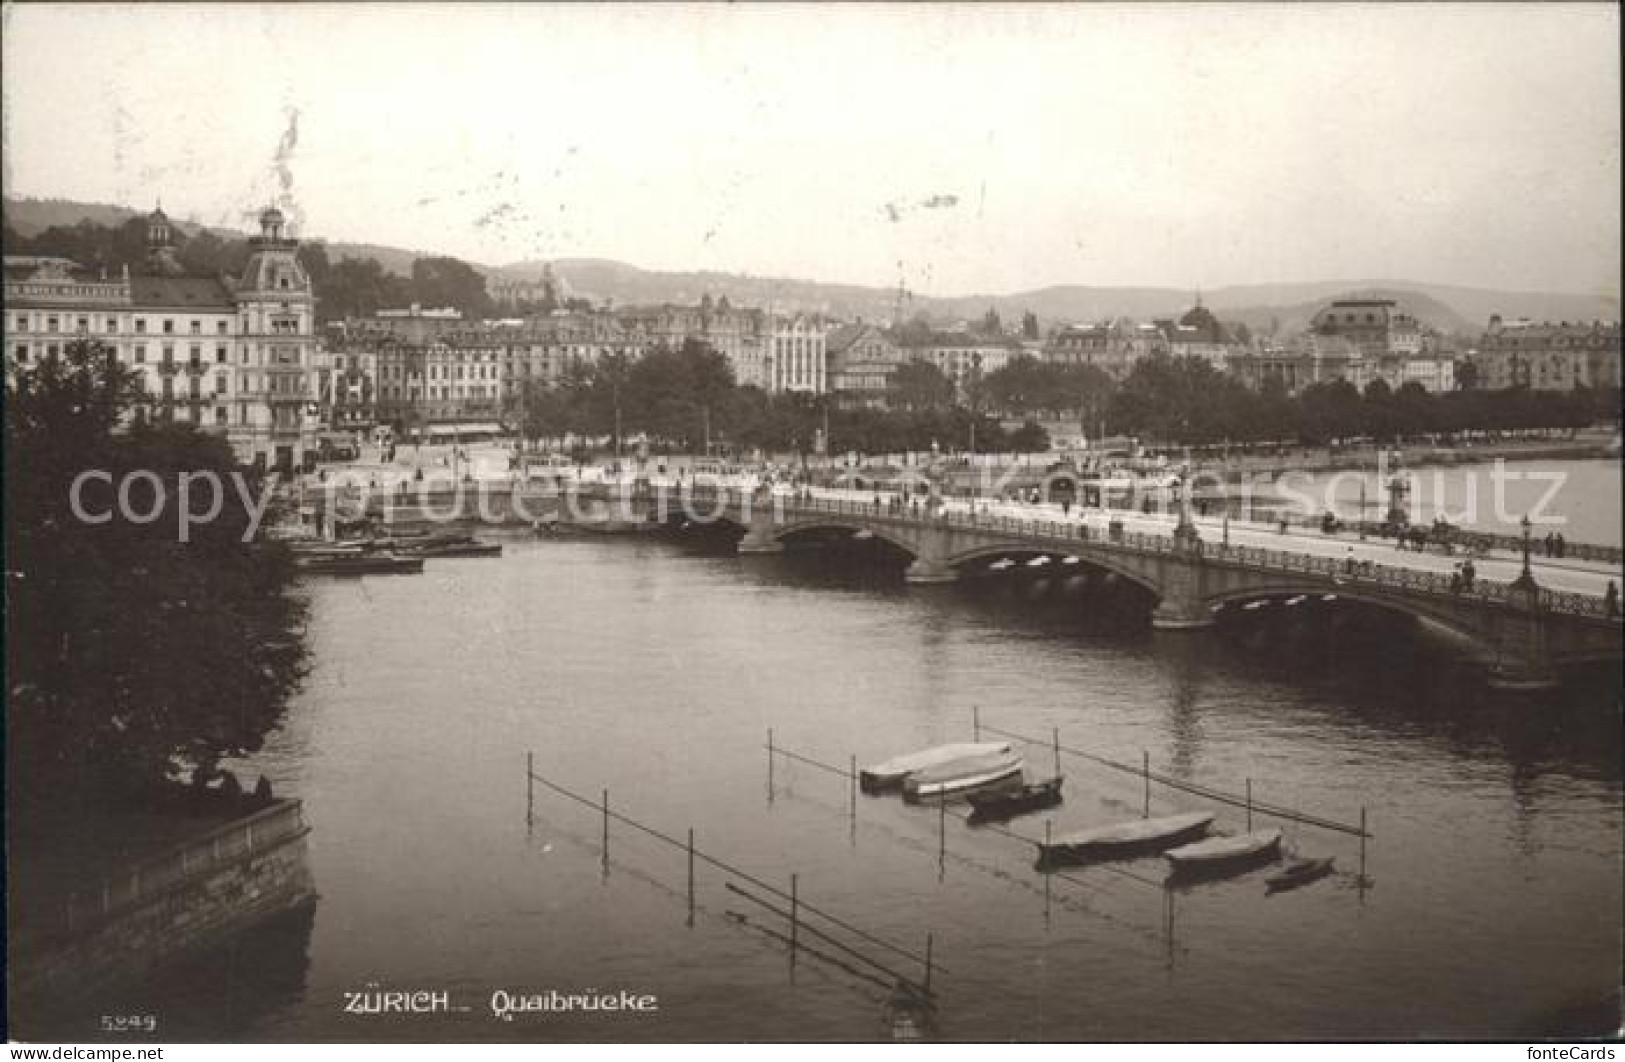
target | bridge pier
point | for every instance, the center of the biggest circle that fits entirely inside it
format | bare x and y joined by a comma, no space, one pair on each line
1172,615
761,533
759,538
926,572
1183,606
1523,655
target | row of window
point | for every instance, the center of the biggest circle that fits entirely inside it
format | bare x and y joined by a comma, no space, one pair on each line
52,323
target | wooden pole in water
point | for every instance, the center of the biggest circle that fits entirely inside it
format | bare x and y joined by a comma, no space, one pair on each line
1145,770
769,763
691,876
1047,823
942,831
852,787
606,829
1249,805
928,943
976,723
1055,740
1362,846
530,788
795,917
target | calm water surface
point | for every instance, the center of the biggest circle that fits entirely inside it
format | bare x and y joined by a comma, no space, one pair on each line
1581,499
654,669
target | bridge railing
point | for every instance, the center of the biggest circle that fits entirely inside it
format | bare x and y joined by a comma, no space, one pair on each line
1064,535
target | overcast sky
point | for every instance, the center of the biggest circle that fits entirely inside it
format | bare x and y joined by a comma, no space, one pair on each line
957,149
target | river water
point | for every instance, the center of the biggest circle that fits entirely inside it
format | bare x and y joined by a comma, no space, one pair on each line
1580,499
654,668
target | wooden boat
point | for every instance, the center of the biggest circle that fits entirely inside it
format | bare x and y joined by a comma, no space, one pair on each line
618,527
1298,872
359,564
1225,851
997,804
1125,838
961,776
470,548
890,774
321,547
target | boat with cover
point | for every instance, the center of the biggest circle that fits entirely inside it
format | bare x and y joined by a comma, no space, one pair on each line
1298,872
1225,851
1124,838
961,775
890,773
359,564
1006,802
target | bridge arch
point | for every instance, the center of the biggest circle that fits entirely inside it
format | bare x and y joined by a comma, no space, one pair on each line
838,522
1481,640
1030,549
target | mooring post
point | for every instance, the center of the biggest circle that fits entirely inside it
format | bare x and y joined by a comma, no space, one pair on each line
852,787
976,722
1249,805
1055,739
1047,823
606,831
530,788
795,916
1362,847
928,943
942,832
1145,769
769,765
691,876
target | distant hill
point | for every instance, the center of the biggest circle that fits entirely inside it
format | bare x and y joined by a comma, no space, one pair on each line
1446,307
30,217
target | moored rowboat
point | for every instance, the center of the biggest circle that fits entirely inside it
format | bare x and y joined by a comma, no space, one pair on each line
359,564
890,774
1299,872
1006,803
961,775
1217,851
1136,835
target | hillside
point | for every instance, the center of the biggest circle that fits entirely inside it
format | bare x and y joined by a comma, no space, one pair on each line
1450,308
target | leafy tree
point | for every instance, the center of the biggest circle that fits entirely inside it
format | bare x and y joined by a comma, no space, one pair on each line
920,385
131,656
441,281
1029,438
1330,411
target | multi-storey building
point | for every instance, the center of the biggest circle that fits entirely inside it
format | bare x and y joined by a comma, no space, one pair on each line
795,356
1548,357
233,357
1114,347
860,362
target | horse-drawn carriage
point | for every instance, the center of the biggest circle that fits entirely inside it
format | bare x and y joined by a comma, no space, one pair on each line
1441,533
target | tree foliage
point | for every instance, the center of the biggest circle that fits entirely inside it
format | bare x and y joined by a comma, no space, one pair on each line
346,288
130,654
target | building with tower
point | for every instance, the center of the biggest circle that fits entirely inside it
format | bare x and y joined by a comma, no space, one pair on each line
233,356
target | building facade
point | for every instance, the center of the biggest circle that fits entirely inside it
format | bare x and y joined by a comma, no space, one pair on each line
1549,357
233,357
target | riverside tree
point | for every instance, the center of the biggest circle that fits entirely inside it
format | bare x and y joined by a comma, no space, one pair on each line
131,657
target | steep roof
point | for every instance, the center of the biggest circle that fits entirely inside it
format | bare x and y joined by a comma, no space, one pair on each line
181,293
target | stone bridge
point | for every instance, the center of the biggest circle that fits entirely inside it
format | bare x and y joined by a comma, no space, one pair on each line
1523,631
